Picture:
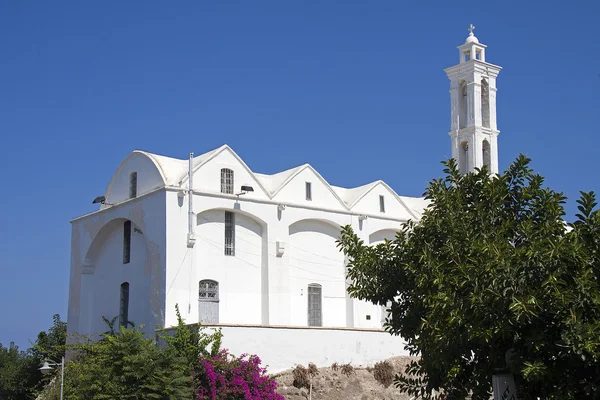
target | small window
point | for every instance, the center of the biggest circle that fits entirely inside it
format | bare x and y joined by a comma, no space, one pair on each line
124,305
315,309
133,185
381,204
229,233
126,242
308,191
226,181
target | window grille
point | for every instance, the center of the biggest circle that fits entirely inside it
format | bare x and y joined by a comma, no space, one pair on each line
381,204
208,291
133,185
126,242
229,233
308,191
124,304
226,181
315,314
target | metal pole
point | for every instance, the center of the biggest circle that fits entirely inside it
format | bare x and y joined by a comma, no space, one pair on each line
62,377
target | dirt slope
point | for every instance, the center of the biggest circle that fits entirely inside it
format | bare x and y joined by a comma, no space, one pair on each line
334,385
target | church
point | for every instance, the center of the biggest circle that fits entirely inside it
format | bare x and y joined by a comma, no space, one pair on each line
256,254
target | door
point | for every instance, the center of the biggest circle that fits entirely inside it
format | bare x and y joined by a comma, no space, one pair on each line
315,315
208,302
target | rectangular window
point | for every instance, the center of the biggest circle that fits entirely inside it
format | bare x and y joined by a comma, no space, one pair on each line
133,185
308,191
124,305
381,204
226,181
229,233
126,242
315,314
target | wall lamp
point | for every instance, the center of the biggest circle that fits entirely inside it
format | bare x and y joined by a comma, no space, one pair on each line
245,189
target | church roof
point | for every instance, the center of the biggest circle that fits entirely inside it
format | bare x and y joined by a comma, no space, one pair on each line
174,173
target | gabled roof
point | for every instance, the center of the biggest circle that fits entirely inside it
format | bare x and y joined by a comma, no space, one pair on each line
175,173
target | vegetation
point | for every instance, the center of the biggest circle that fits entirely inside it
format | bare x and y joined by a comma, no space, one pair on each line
383,372
491,279
20,377
124,364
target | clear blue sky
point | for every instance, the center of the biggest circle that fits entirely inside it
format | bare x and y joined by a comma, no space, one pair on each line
354,88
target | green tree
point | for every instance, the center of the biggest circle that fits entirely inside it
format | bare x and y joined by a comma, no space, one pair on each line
491,279
126,365
16,379
192,342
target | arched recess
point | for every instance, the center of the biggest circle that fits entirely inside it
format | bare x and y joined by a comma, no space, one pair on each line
314,258
243,274
382,234
463,157
485,103
487,156
104,272
463,105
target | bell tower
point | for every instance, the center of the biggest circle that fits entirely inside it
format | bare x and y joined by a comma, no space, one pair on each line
473,128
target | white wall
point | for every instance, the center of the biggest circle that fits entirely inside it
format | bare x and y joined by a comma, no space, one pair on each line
148,178
281,348
295,191
207,178
369,204
97,268
314,258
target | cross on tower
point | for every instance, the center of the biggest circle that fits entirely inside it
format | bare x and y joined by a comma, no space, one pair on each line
471,29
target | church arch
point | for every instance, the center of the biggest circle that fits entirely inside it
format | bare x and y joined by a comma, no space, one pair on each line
241,271
382,234
485,103
104,269
486,154
463,157
315,259
463,105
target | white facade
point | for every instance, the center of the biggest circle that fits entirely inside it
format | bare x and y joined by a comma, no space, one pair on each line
245,260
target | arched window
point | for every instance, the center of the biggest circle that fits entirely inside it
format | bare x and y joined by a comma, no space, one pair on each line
208,301
487,157
226,181
126,242
133,185
485,103
315,305
463,162
124,304
462,115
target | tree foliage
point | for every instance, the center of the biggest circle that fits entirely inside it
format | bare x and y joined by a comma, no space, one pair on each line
490,279
126,365
20,378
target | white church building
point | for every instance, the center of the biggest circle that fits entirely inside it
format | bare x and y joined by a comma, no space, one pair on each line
256,254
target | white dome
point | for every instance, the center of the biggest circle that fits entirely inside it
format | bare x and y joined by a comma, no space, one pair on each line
471,38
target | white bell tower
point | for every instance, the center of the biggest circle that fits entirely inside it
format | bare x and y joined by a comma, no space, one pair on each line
473,129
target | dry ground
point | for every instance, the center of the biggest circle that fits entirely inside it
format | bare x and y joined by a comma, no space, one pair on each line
333,385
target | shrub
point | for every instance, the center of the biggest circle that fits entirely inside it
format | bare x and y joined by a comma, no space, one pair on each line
335,366
225,377
301,377
347,369
384,373
312,370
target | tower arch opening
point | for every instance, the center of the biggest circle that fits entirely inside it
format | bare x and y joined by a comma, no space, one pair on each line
486,154
463,159
462,114
485,103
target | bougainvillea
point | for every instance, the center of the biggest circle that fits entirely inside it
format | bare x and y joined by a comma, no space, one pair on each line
225,376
